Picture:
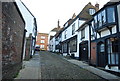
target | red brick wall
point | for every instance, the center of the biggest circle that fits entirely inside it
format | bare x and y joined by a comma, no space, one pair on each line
39,39
93,53
12,39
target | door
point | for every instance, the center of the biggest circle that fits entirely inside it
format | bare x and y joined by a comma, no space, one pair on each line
83,51
101,55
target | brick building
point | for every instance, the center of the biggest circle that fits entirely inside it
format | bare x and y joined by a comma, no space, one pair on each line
13,27
42,41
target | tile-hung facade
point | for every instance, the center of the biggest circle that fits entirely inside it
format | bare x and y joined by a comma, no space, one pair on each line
70,38
105,37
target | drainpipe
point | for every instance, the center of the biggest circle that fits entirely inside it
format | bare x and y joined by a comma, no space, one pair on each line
89,42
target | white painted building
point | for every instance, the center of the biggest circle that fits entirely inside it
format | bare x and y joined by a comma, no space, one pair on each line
70,37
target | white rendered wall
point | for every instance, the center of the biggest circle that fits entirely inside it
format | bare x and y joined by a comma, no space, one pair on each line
105,33
114,30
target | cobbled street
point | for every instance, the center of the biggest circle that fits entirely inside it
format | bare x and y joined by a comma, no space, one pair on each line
54,66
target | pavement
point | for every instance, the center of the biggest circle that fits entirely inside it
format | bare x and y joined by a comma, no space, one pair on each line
48,65
31,69
101,73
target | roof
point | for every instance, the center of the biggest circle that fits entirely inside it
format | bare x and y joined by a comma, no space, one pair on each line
51,37
44,33
56,29
83,15
107,4
58,33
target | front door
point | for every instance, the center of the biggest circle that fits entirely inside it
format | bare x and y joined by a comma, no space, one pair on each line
83,53
101,55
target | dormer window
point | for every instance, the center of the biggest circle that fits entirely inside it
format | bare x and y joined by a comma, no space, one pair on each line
91,11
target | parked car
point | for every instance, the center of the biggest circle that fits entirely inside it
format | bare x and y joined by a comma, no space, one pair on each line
37,48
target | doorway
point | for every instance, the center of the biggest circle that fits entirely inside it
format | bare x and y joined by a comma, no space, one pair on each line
83,51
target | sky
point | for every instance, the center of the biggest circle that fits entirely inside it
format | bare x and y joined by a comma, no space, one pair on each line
47,12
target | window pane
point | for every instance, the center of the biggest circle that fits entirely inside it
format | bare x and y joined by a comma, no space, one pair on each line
73,28
91,11
42,37
103,17
110,15
99,20
102,48
65,47
95,21
73,45
82,33
42,41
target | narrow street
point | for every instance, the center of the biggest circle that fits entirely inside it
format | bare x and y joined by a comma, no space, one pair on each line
55,67
52,66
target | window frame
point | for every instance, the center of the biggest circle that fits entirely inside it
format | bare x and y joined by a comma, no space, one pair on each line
73,29
107,17
42,41
83,33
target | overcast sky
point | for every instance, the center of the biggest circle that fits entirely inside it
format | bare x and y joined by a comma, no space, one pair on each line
47,12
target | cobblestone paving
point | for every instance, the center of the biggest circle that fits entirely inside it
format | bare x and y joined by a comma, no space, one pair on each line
55,67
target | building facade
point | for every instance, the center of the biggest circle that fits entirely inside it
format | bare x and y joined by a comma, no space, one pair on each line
72,40
105,37
42,41
30,31
52,38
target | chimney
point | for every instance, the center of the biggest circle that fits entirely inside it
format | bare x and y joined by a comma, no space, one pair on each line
73,16
97,6
89,3
58,23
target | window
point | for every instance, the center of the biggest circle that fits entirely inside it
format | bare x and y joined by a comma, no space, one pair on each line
42,46
73,28
99,20
42,41
83,33
102,49
91,11
65,48
65,34
112,50
95,22
73,45
111,15
42,37
103,17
